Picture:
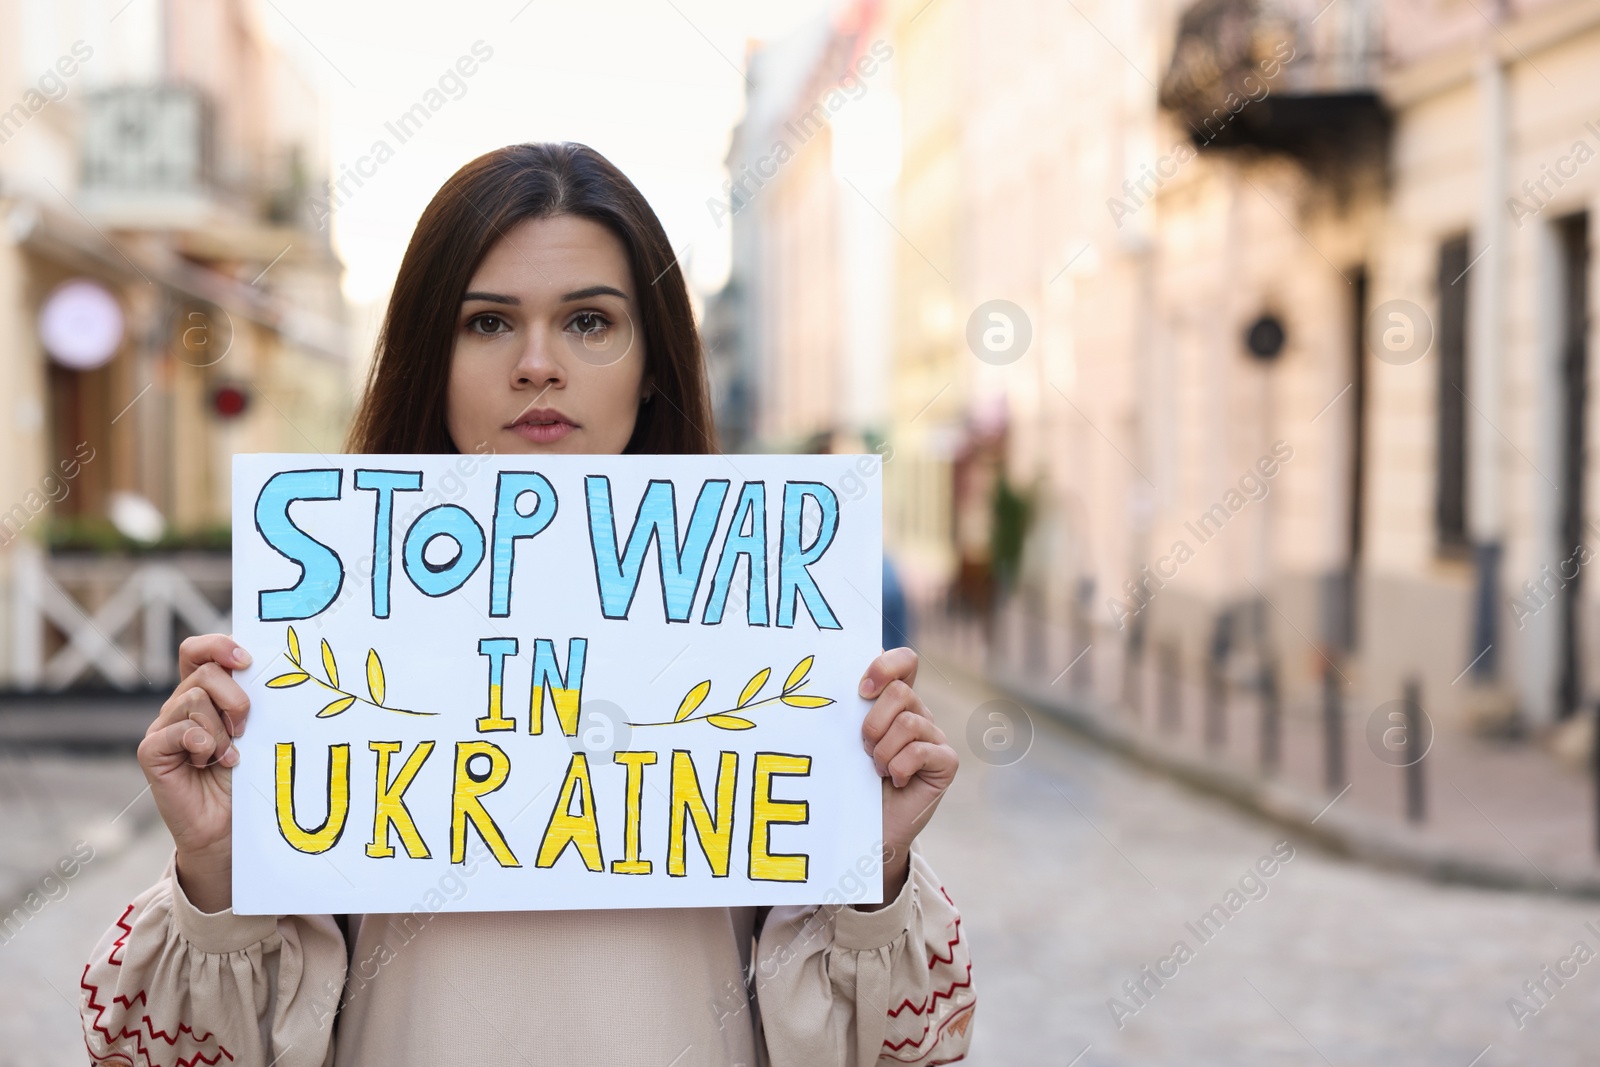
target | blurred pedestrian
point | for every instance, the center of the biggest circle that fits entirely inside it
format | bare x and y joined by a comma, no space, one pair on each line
896,616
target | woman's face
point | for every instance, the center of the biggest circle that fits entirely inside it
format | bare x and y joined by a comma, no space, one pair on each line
548,356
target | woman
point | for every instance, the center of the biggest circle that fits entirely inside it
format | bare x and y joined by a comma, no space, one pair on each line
538,309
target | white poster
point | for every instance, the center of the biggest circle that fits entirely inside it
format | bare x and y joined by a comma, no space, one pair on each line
500,683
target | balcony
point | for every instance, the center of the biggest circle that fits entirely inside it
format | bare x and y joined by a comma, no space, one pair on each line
1289,76
147,157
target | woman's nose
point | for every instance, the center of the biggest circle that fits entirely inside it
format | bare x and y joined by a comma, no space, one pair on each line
538,365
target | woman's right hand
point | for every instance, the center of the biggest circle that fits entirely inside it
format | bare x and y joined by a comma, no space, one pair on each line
188,757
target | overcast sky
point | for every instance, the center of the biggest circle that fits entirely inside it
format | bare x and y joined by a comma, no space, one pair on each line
655,85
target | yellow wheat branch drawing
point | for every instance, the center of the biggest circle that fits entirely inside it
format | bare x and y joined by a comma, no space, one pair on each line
343,701
789,695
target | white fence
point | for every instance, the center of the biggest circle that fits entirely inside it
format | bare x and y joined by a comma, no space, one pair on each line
118,619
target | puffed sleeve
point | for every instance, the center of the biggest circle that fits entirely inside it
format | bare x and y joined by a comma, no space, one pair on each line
842,987
171,984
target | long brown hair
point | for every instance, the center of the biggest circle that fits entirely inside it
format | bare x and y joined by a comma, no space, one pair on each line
403,406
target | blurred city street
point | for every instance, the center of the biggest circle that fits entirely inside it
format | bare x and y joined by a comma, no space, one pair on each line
1074,872
1077,871
1224,369
42,961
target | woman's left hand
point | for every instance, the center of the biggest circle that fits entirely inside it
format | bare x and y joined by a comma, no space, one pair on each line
911,756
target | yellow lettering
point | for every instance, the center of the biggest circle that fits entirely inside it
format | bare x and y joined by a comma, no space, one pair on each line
716,837
566,828
636,762
496,719
566,702
389,807
323,837
764,811
465,803
496,649
566,689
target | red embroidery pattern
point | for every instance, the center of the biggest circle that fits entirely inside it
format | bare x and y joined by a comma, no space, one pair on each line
122,942
950,948
122,1059
929,1004
957,1021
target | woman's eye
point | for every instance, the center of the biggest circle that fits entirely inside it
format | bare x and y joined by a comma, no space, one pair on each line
589,322
488,324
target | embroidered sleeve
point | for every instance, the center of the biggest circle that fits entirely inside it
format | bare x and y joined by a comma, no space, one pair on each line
840,986
172,986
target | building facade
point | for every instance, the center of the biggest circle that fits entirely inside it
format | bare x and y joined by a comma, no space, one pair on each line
1245,336
1306,296
800,336
167,299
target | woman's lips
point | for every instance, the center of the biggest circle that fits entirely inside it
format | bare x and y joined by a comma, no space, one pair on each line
542,432
540,425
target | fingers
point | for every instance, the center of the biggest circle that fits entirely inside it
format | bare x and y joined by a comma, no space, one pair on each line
188,711
223,694
210,648
935,762
207,710
897,696
907,731
191,740
896,663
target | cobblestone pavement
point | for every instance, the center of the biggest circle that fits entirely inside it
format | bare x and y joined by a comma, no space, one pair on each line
1517,805
55,807
41,965
1073,872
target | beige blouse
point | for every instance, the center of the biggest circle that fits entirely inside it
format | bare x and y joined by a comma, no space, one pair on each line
678,987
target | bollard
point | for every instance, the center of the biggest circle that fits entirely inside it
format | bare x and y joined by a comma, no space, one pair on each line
1216,719
1271,717
1595,774
1083,676
1171,714
1133,670
1034,641
1332,731
1595,759
1216,683
1083,636
1416,809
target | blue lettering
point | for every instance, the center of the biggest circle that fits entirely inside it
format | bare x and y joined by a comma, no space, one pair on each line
511,524
321,572
679,565
793,560
454,522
